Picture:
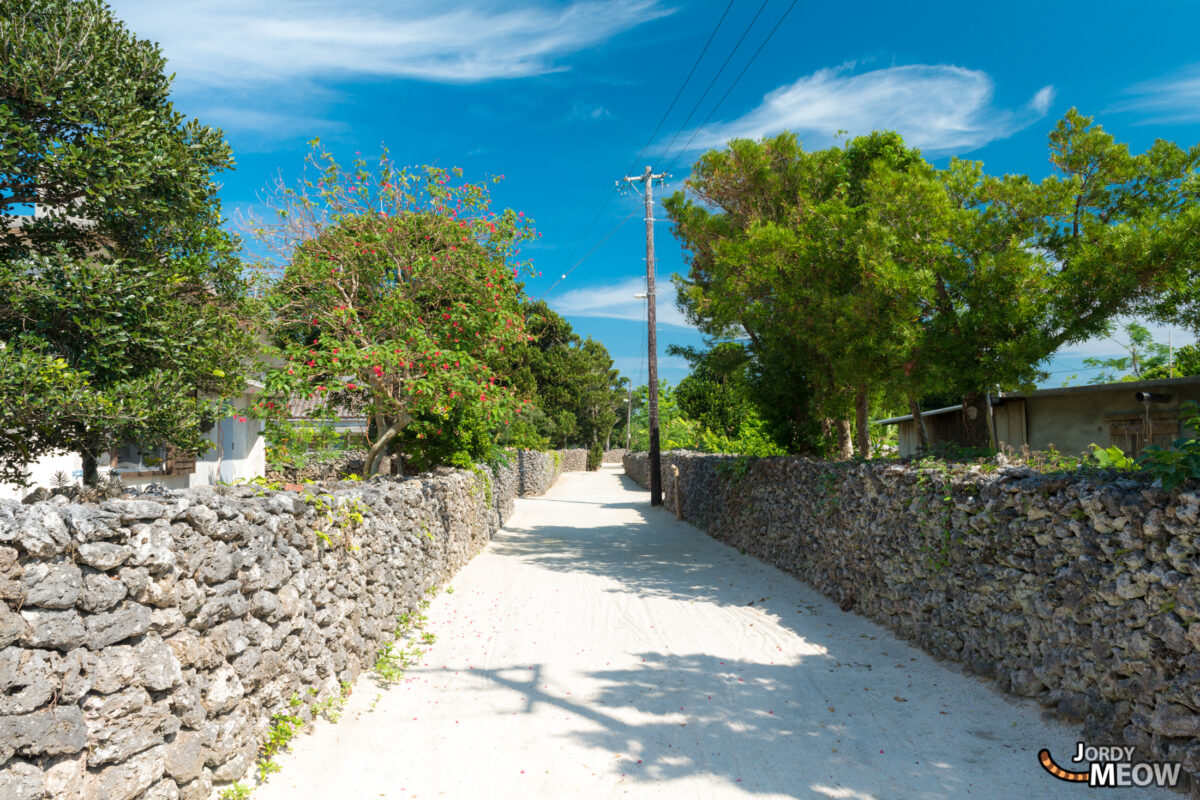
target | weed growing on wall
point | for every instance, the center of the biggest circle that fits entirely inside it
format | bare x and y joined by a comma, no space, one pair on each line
395,657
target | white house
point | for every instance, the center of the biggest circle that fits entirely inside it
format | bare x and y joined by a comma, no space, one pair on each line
238,452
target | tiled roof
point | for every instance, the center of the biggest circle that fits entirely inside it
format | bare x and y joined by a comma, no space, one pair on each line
300,407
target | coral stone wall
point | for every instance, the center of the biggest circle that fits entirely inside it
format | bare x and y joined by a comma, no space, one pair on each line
574,460
537,470
146,642
614,456
1082,593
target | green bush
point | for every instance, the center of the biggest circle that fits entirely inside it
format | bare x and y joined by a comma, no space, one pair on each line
595,457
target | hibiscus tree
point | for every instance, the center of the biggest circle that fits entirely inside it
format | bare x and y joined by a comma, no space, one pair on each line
398,291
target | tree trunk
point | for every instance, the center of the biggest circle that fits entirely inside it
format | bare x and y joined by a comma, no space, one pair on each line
380,446
862,423
922,432
975,420
844,440
91,471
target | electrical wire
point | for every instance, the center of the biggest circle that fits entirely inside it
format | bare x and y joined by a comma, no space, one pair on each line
608,235
700,127
682,86
674,100
720,71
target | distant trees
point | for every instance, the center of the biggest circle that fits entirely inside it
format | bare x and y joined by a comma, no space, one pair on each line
574,388
862,271
122,304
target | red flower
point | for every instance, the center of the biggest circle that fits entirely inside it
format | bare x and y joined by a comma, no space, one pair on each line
351,386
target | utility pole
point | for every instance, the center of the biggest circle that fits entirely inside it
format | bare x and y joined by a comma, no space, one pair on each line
647,179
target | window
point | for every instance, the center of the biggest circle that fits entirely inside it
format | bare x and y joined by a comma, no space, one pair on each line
132,460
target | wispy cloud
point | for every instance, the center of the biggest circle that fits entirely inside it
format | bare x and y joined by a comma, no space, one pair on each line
617,301
939,108
261,42
1171,98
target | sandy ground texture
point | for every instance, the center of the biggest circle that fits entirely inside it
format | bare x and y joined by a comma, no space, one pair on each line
598,648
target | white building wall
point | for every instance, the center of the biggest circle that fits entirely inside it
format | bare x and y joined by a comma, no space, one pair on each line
238,452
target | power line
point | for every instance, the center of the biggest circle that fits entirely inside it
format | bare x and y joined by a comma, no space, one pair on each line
724,64
730,89
614,229
638,158
682,86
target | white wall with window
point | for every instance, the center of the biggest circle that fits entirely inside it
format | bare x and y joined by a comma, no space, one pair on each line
238,452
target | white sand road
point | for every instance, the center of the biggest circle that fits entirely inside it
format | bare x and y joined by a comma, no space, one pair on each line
598,648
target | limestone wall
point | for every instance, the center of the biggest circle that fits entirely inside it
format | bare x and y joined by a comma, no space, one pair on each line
614,456
1082,592
537,470
146,642
574,460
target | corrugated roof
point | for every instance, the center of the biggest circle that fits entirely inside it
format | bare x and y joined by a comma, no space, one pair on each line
1135,386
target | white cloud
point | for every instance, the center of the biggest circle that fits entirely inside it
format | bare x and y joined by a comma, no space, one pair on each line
938,108
252,43
1105,347
1172,98
617,301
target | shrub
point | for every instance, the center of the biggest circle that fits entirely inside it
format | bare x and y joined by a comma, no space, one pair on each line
595,457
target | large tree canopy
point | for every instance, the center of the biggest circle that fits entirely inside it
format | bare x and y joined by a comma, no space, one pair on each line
400,297
121,302
860,267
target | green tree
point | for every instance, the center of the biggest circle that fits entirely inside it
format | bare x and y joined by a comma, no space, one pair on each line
717,392
123,302
571,380
773,235
399,298
1022,268
862,266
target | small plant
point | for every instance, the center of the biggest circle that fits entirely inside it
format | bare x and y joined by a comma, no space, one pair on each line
235,791
1111,458
284,728
331,708
736,467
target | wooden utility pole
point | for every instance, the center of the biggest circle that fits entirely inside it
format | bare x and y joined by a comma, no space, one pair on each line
647,179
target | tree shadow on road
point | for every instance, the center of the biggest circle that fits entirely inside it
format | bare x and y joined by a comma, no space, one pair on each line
752,725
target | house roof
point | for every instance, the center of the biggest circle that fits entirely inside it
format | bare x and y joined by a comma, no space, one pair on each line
300,407
1135,386
908,417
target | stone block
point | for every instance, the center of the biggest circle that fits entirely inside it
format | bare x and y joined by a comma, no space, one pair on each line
60,630
51,731
110,627
42,532
126,780
104,555
101,592
52,584
20,780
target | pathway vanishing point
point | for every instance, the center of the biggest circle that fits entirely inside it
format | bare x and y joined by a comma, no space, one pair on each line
598,648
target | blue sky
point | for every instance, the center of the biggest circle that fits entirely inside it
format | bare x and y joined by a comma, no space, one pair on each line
561,97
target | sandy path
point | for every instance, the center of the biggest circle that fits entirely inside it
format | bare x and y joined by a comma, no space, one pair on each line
598,648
